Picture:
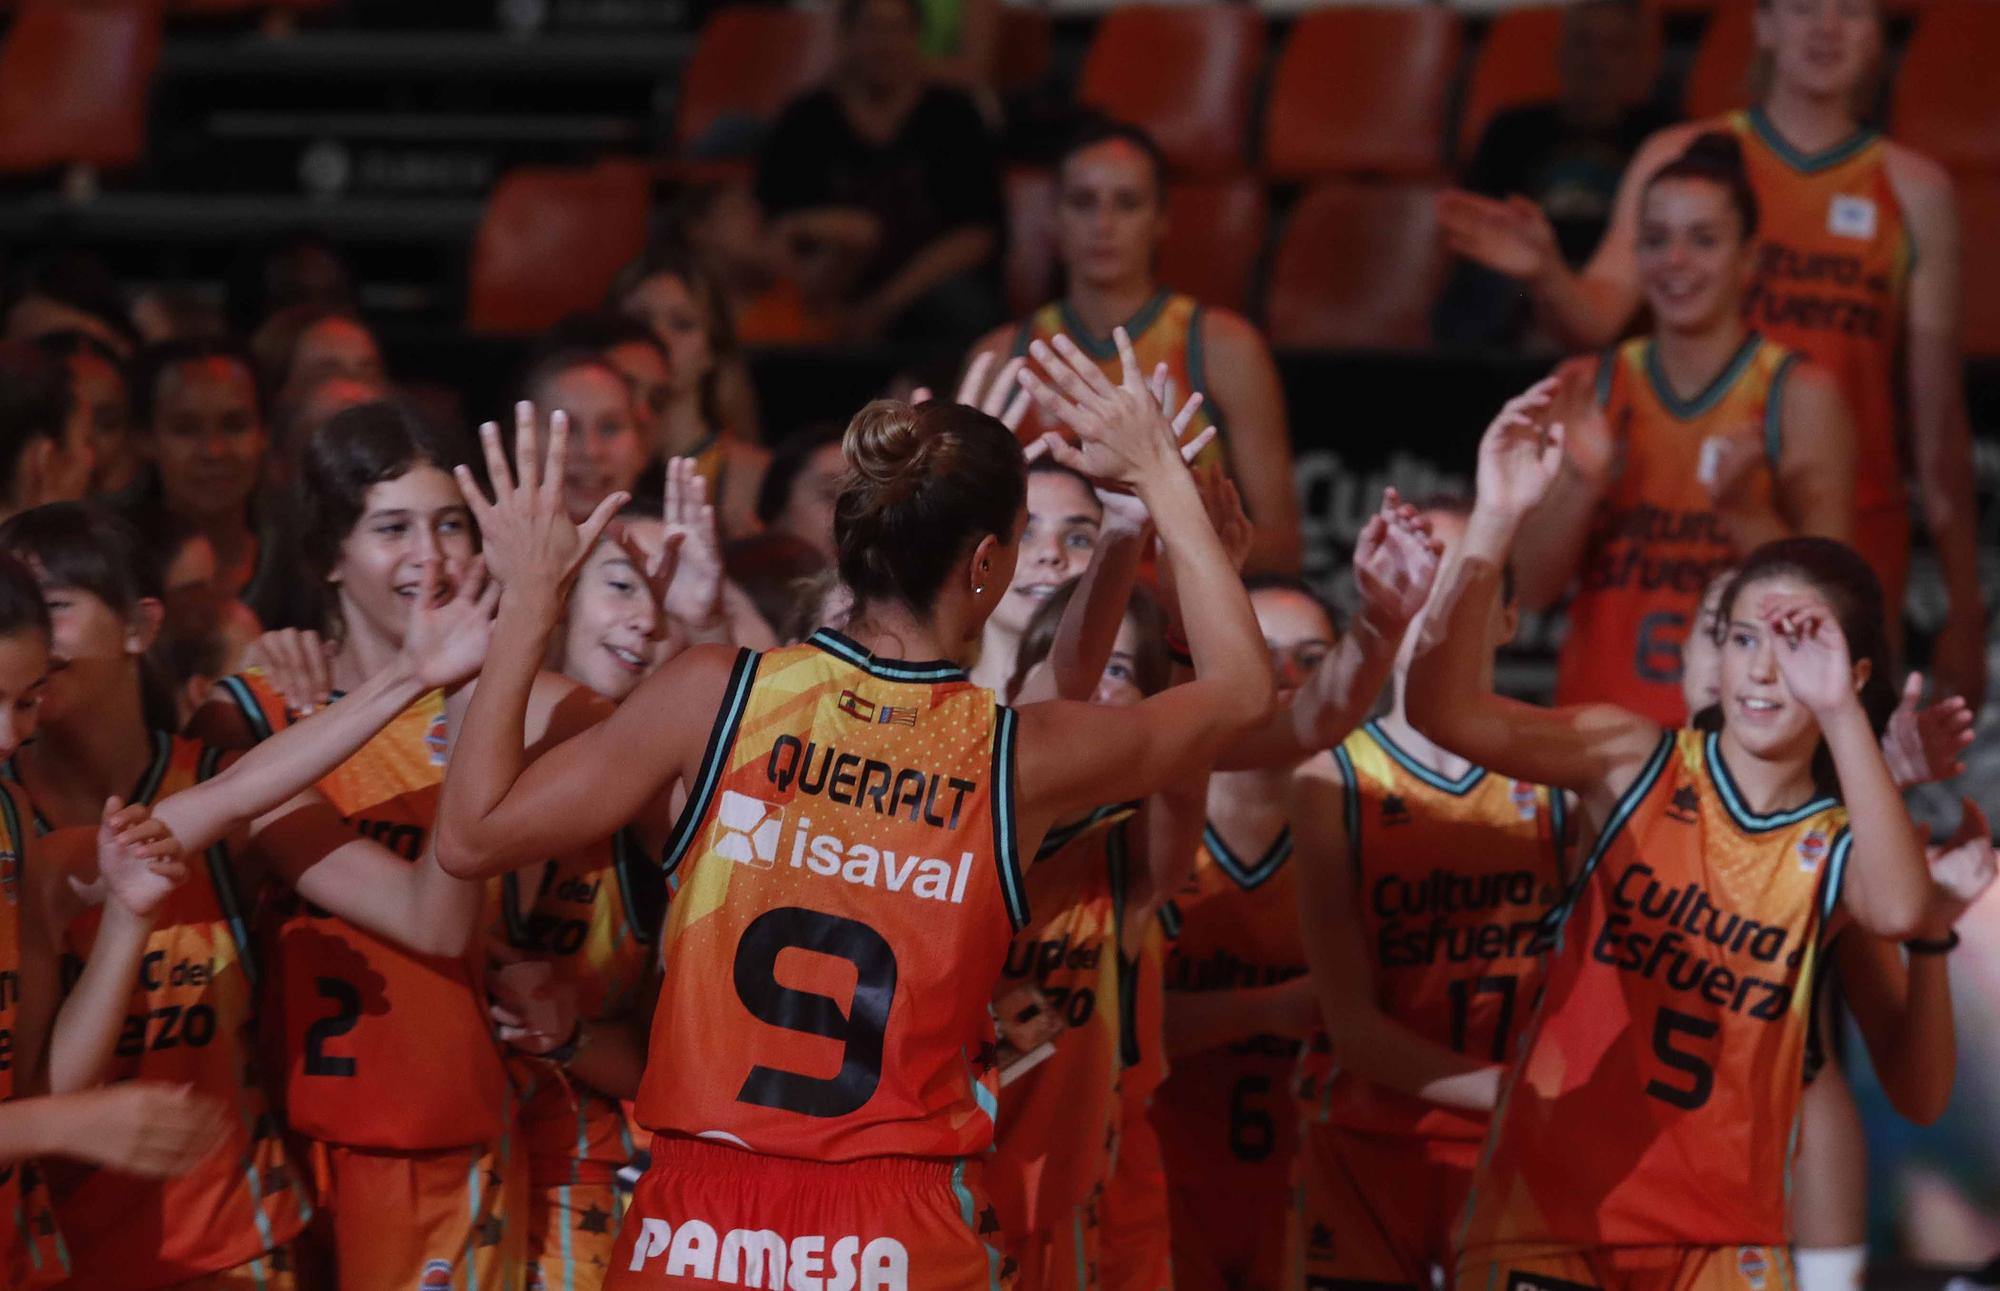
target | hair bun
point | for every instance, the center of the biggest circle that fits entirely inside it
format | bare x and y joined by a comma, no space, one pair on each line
886,447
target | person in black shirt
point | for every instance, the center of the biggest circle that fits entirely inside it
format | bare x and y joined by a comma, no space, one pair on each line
885,189
1565,156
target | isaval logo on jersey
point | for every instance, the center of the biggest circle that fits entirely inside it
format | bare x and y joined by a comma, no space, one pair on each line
747,830
1812,850
752,832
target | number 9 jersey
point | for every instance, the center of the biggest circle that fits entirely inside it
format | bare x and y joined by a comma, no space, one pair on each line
1657,1095
848,888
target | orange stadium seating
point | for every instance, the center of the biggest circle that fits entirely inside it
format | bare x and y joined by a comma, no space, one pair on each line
1215,234
1516,65
550,242
1719,79
749,62
1947,102
74,77
1362,91
1359,264
1185,73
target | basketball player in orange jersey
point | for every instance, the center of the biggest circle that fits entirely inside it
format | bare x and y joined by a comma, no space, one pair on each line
1425,884
1676,1003
1110,218
1711,441
50,1058
390,1071
850,812
191,1006
1857,268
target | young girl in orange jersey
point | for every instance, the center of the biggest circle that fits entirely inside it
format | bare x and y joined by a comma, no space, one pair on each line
1857,268
815,1084
1643,1137
192,1007
416,1172
1110,217
1712,440
49,1059
1425,885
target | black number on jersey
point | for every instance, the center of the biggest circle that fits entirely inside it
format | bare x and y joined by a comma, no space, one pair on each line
859,1030
1252,1132
1462,992
1701,1074
347,1012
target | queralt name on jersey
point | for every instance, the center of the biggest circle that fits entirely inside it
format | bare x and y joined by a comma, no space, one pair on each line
1656,931
758,1257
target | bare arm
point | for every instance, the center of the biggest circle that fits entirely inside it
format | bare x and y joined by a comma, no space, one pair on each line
960,251
1549,548
1815,474
1198,1021
1244,384
1365,1040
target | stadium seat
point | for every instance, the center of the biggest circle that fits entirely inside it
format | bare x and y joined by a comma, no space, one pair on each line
1359,265
1947,102
550,242
1978,214
74,76
1516,66
1362,91
749,62
1022,60
1718,81
1029,266
1215,234
1184,73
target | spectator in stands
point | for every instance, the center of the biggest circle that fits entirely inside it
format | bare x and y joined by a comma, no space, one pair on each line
724,224
100,400
200,414
69,291
675,295
45,452
302,345
606,451
802,484
189,580
301,269
1110,217
885,188
1564,156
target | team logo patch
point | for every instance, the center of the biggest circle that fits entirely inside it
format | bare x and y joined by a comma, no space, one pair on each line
1523,798
437,739
865,710
1812,850
1750,1262
10,877
435,1277
1851,217
1394,810
747,830
1519,1281
1684,806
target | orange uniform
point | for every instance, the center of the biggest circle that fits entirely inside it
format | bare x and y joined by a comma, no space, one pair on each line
1167,329
1454,881
1227,1127
1833,276
1134,1226
32,1251
191,1021
1058,1122
389,1064
849,883
1656,540
596,918
1672,1030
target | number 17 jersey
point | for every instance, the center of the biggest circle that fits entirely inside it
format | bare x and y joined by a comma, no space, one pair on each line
849,885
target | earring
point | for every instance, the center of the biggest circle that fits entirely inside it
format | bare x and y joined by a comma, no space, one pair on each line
978,589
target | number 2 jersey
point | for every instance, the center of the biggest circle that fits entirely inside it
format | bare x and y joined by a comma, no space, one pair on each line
1656,1098
1455,882
849,882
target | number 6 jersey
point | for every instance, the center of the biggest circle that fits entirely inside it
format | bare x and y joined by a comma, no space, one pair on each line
1657,1096
848,887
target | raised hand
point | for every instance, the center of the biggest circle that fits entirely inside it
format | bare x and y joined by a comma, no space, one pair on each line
529,541
145,1128
298,663
1962,867
1922,745
692,594
1001,396
1588,445
1511,236
138,858
1521,453
1729,470
450,627
1811,651
1396,564
1122,436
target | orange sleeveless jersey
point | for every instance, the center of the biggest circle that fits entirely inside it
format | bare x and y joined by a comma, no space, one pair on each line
596,917
1223,1116
381,1049
1167,329
191,1020
849,883
1058,1120
1455,881
1656,1099
1833,276
32,1251
1656,541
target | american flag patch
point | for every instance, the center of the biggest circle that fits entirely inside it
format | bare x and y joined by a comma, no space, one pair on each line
887,716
